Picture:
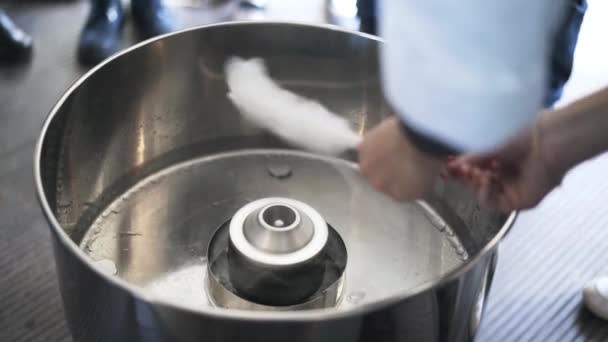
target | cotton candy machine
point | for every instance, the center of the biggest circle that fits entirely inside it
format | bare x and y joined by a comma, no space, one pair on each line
276,253
174,219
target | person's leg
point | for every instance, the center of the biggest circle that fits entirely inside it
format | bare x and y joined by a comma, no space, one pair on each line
563,52
152,18
100,36
15,45
366,11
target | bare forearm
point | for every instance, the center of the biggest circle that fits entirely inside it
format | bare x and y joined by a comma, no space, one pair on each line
576,132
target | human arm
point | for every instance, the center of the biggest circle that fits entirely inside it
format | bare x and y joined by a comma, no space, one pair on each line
519,174
464,76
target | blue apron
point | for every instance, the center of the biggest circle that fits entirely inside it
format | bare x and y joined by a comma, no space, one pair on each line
563,52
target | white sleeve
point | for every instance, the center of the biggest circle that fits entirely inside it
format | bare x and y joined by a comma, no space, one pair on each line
468,73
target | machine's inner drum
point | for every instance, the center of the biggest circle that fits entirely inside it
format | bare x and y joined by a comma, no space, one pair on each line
162,234
326,294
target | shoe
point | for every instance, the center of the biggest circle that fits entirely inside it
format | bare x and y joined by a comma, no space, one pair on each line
15,45
152,18
366,11
100,37
595,296
368,25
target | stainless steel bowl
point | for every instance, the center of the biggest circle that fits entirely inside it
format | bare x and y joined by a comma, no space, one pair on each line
144,158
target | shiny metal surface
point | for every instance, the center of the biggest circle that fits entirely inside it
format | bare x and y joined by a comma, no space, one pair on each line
221,291
278,231
276,253
219,295
166,220
163,103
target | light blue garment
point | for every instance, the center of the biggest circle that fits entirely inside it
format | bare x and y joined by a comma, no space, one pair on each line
470,74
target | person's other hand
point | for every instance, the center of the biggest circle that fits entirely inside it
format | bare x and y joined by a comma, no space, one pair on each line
393,165
516,176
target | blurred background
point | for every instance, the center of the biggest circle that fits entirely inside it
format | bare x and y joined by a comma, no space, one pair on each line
551,252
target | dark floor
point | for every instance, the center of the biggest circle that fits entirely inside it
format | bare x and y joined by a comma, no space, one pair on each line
550,253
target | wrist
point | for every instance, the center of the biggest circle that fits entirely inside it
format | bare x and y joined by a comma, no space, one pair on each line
547,141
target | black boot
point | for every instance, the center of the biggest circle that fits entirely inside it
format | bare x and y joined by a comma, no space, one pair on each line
100,36
152,18
15,45
366,11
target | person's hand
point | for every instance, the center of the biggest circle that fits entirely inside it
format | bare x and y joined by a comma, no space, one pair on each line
393,165
516,176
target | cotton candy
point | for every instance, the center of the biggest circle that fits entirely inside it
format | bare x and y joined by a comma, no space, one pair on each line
295,119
